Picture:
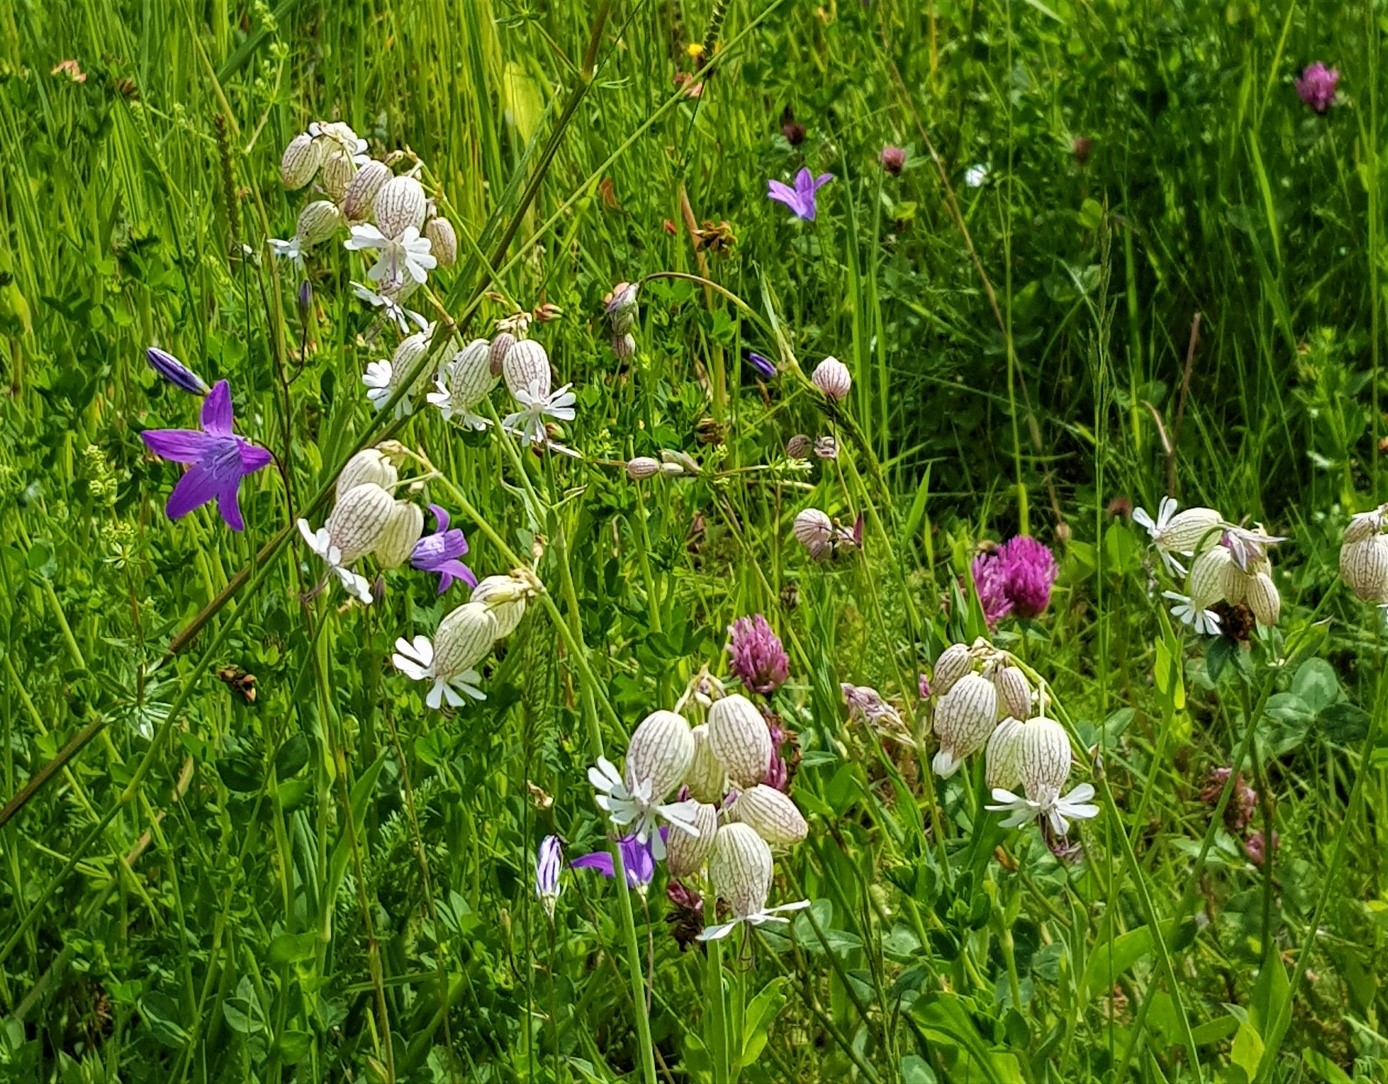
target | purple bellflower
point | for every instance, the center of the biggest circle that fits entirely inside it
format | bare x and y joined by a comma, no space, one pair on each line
175,372
799,199
636,857
764,366
549,860
757,658
218,460
1316,87
439,552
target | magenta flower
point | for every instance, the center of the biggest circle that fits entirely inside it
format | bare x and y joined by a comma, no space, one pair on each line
799,199
219,460
893,159
636,857
990,581
439,553
1316,86
1016,578
757,658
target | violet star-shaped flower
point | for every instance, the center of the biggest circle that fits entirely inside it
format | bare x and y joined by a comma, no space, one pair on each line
218,460
439,552
799,199
636,857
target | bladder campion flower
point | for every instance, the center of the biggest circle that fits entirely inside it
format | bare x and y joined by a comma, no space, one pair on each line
402,259
461,641
218,459
658,756
1179,533
1059,811
740,869
964,720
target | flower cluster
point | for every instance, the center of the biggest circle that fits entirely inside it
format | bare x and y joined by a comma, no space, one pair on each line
1229,565
1014,578
755,655
982,701
823,537
1316,86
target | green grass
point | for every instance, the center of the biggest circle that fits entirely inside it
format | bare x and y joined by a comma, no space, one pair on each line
336,883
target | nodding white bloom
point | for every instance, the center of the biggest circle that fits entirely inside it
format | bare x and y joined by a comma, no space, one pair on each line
1181,533
1263,598
505,596
318,221
383,377
300,161
537,405
340,137
769,813
444,238
1248,547
740,739
1000,756
461,641
525,365
831,376
402,532
976,175
740,869
686,853
1014,692
389,301
964,719
403,258
706,779
658,757
463,383
360,519
549,863
321,543
368,465
361,192
291,250
400,204
1059,811
954,662
814,530
502,342
1364,556
1034,754
339,168
1202,621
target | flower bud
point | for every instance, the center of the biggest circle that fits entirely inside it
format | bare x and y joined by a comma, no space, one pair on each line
706,779
501,345
623,346
1263,599
643,466
1207,577
740,739
621,307
1235,583
1042,756
798,447
685,854
399,204
659,752
338,171
740,869
771,814
300,161
831,376
526,365
363,189
368,465
964,720
1014,692
1364,567
813,527
359,520
443,239
954,662
403,531
407,354
507,604
318,221
464,637
1001,763
472,376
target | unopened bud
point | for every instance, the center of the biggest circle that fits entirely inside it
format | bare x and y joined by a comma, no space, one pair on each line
771,814
1364,567
338,171
501,345
463,639
505,597
686,854
1263,599
1014,692
643,466
368,465
812,527
318,221
706,779
443,239
831,376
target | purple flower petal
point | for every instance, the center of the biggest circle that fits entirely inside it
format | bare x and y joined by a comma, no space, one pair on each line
783,193
441,519
178,445
454,570
598,860
253,457
197,486
216,410
229,504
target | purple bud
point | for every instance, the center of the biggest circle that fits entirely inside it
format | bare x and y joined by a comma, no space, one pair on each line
765,367
175,372
549,860
305,296
892,159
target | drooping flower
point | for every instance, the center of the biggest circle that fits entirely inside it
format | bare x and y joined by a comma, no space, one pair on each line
658,757
976,175
389,301
831,376
739,738
463,383
401,259
740,869
1204,622
1316,87
1057,810
964,720
549,860
866,705
637,860
448,662
321,543
1179,533
218,459
175,372
801,198
439,552
399,205
383,377
756,656
1364,556
537,404
772,814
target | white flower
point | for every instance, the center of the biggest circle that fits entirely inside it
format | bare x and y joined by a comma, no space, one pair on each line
402,258
377,381
1247,547
768,914
415,659
442,398
975,175
291,250
634,808
1204,622
529,421
390,304
1056,809
321,543
343,136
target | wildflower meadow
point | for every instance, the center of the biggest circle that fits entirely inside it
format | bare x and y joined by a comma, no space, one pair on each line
693,541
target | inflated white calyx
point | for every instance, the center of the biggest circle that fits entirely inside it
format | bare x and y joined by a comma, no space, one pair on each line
740,739
771,814
964,719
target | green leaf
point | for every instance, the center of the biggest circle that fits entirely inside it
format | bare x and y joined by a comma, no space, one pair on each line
756,1024
1286,722
1343,723
292,947
1109,960
916,1070
1316,684
1247,1050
